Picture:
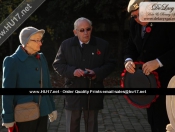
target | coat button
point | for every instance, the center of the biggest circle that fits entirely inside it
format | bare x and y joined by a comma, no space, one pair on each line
37,69
144,51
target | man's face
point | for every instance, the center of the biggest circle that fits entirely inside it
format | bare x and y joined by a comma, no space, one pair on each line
135,16
83,31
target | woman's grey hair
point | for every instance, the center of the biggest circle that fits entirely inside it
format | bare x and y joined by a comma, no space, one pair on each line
81,19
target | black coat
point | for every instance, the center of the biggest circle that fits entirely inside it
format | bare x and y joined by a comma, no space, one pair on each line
71,56
158,43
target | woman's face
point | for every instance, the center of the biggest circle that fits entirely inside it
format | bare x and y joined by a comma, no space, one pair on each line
35,42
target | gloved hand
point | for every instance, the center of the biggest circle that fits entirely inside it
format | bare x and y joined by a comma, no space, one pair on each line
169,128
7,125
53,116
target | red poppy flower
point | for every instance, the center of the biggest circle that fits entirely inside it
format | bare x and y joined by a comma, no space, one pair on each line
98,52
148,29
38,56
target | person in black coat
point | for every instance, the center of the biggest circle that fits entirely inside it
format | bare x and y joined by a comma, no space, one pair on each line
154,44
77,56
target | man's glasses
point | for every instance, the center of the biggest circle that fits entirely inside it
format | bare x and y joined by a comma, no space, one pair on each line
134,16
37,41
83,30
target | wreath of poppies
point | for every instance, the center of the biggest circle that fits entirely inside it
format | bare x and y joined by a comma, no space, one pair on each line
127,97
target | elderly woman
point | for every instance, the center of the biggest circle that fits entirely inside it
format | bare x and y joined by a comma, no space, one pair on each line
27,68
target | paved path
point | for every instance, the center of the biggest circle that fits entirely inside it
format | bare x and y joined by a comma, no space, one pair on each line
117,116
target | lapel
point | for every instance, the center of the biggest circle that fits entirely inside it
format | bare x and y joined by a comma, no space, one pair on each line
146,36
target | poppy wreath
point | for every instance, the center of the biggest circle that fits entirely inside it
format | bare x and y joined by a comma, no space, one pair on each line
122,84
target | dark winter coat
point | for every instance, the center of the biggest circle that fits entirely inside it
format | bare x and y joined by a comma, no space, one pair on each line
94,56
158,43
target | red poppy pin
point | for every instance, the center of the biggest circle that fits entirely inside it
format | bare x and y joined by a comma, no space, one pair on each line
148,28
98,52
38,56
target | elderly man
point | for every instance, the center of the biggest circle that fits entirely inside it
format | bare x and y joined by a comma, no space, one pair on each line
154,46
78,57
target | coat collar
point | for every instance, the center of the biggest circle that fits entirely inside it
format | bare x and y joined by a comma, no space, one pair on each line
21,54
77,43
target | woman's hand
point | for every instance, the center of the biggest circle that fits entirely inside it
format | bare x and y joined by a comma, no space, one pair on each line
7,125
53,116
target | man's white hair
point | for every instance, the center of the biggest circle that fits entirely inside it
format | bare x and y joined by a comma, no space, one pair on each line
81,19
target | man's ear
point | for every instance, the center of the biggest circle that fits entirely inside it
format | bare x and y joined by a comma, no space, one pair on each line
75,32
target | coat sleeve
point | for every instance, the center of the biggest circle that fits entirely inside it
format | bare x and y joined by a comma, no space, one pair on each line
167,59
60,64
9,76
130,50
8,81
108,66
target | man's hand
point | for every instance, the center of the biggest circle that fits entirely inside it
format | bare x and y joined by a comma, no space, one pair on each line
91,72
78,72
150,66
130,66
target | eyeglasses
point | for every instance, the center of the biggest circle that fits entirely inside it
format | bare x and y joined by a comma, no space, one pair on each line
134,16
37,41
83,30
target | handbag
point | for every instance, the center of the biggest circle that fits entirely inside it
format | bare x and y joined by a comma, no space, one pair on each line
28,111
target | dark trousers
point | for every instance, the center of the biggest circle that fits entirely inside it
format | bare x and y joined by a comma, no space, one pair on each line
157,115
39,125
73,120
